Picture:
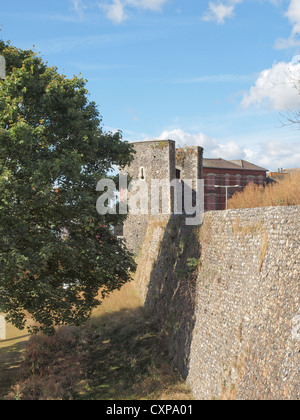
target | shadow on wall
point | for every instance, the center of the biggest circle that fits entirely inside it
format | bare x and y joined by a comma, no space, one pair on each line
171,294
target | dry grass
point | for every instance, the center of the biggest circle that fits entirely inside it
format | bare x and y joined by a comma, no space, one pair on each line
126,298
11,351
118,355
228,395
285,193
13,336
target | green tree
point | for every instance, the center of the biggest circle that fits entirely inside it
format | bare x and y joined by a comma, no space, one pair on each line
56,253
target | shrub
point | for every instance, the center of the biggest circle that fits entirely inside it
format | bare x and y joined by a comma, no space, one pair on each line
284,193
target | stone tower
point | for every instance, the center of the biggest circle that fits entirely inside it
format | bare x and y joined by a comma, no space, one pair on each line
189,166
154,160
160,161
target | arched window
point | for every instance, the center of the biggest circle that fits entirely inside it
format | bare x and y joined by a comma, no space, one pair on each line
211,181
260,180
239,180
227,179
250,179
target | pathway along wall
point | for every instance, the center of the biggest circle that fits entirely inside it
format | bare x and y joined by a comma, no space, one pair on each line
228,295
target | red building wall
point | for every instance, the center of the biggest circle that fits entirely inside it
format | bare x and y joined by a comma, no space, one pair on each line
215,198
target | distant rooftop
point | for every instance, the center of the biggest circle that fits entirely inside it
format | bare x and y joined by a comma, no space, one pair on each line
219,163
231,164
249,166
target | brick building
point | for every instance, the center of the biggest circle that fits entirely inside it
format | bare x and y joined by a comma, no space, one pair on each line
283,174
236,175
160,160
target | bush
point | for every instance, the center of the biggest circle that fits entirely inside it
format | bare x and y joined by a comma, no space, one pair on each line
284,193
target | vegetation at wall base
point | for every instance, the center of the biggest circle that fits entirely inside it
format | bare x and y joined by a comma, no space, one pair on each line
118,355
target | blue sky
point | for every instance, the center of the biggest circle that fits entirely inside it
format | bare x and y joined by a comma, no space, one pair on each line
219,73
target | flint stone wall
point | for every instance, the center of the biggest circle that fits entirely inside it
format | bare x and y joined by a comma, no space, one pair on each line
233,333
248,296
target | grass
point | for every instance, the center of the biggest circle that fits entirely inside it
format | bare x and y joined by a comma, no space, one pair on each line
118,355
284,193
11,351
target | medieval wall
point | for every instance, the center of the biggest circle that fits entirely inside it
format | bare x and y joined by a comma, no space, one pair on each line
154,160
189,160
189,166
228,295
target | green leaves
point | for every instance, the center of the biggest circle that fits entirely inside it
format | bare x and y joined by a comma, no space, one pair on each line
56,252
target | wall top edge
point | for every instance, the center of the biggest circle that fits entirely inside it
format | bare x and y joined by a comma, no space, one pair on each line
152,141
276,209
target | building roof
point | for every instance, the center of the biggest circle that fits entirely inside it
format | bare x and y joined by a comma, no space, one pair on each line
219,164
231,164
248,166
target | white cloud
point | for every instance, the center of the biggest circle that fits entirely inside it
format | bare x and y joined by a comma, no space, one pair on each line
276,87
230,150
183,138
275,154
221,10
79,7
270,154
293,14
212,147
116,9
